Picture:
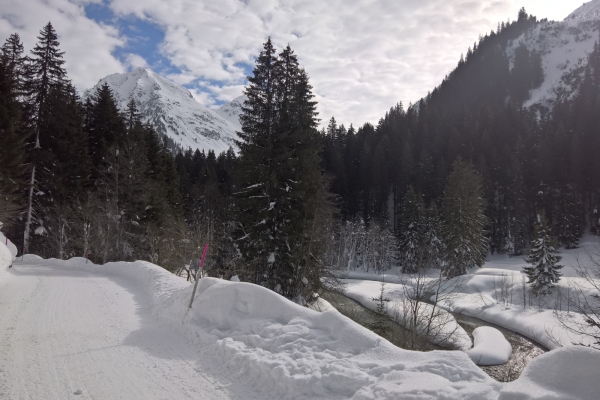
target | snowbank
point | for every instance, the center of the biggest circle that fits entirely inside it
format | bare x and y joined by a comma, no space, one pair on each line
289,351
286,351
566,374
7,254
490,348
446,331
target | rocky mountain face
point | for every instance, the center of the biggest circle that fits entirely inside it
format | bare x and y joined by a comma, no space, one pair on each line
174,112
564,47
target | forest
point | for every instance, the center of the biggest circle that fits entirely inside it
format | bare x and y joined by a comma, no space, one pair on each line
465,172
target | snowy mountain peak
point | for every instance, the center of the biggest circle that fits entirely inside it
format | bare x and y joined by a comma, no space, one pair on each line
174,112
232,110
588,11
564,47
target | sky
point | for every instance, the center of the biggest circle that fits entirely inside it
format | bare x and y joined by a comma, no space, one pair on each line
362,56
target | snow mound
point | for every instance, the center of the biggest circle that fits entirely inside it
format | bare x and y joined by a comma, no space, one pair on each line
568,373
294,351
286,351
8,252
8,244
491,347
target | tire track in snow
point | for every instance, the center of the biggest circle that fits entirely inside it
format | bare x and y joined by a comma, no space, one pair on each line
71,334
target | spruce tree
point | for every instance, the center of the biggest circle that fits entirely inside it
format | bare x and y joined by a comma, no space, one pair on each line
13,62
432,237
544,271
567,224
278,177
464,220
412,229
12,143
514,206
67,164
43,71
105,126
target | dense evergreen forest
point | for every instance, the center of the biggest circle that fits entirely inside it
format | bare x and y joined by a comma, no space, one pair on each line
82,178
529,160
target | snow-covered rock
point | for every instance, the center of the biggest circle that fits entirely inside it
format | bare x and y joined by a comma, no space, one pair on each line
174,112
490,348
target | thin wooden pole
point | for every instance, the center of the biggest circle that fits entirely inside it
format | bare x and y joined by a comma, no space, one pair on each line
201,265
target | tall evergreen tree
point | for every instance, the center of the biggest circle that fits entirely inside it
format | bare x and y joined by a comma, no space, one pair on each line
464,220
544,271
105,126
412,228
12,143
44,70
514,207
14,62
65,164
568,227
278,177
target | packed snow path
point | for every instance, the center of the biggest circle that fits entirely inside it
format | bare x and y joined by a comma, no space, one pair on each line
67,333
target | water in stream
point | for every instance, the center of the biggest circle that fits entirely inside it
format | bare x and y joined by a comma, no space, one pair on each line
524,350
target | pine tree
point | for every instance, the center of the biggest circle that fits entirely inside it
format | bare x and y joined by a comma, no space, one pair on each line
12,143
412,228
464,220
278,177
567,224
514,241
66,164
13,62
543,272
44,70
105,126
433,237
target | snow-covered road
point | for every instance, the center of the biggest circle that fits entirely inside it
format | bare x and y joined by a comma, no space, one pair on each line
67,333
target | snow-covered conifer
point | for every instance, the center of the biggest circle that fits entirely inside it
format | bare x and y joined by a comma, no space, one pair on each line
412,229
464,220
278,177
44,70
568,225
544,271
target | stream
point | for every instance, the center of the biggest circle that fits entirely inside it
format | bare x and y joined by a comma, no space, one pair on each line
524,350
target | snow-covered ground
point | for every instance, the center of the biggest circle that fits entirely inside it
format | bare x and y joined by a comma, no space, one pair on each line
494,293
122,330
446,329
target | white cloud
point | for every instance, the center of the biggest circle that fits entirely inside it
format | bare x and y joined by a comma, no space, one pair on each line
203,98
88,45
363,56
135,61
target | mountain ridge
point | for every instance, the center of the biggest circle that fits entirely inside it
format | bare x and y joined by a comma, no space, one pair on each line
174,112
564,47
